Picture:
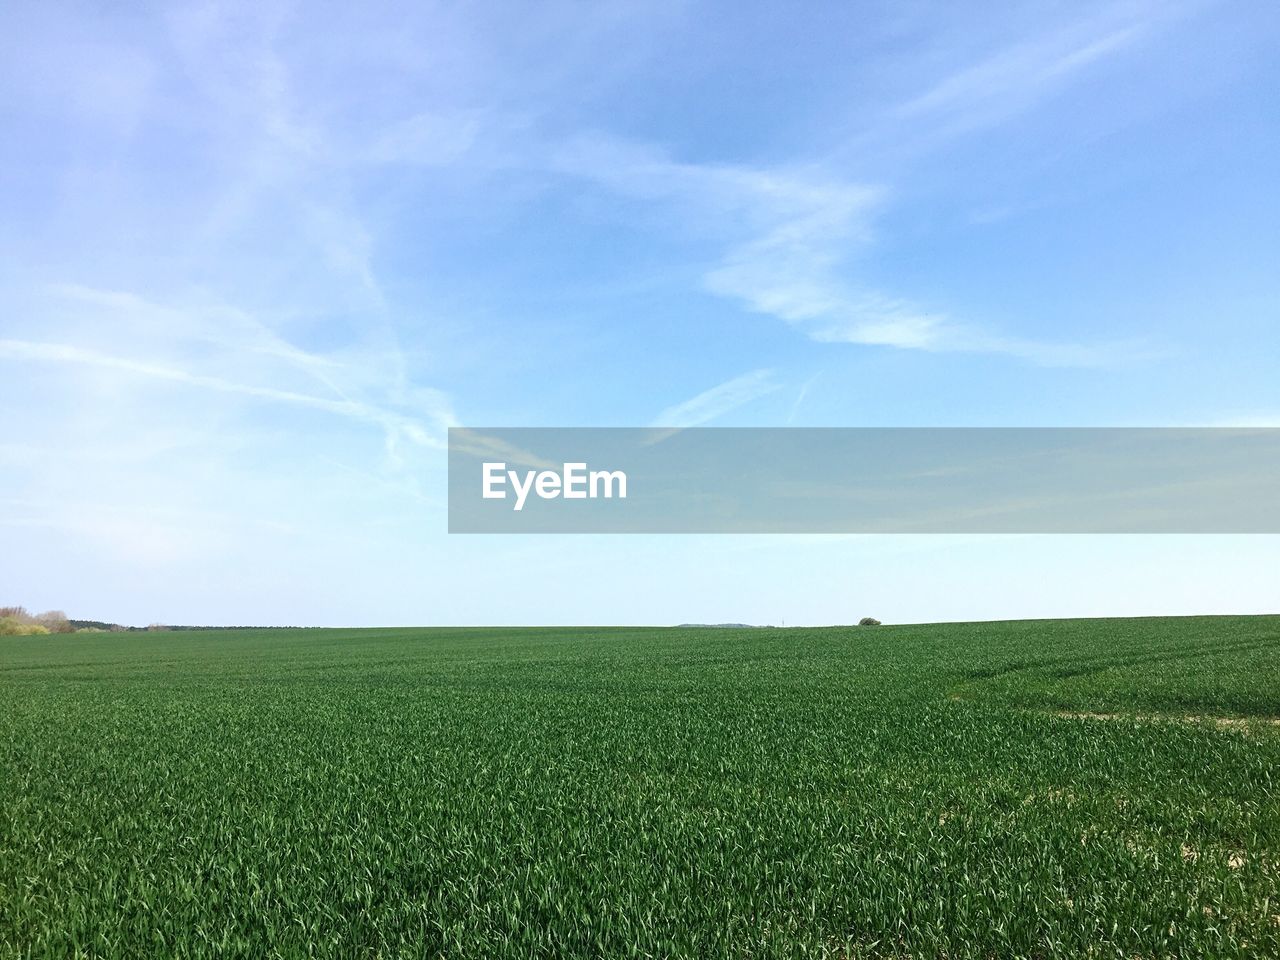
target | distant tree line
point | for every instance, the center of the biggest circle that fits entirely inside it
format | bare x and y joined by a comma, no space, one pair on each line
98,626
17,622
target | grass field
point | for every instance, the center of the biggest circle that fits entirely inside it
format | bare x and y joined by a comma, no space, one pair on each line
1025,789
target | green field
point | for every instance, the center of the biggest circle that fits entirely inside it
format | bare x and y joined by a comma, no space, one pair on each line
1025,789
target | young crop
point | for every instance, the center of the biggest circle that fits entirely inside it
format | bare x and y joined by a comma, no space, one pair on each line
1068,789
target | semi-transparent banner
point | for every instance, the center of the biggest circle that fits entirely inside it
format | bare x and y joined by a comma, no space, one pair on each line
864,480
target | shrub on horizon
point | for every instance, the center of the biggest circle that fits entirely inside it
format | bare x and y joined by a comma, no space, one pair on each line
13,627
868,622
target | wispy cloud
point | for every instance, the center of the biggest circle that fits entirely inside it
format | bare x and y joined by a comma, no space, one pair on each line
719,400
428,138
801,394
395,424
792,235
792,238
1015,78
485,446
212,323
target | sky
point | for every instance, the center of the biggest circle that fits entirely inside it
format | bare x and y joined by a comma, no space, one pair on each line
257,258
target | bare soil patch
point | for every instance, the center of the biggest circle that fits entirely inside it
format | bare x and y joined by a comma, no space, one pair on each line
1224,723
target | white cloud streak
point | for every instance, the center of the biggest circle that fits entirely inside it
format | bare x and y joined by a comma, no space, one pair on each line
793,235
719,400
395,424
1014,79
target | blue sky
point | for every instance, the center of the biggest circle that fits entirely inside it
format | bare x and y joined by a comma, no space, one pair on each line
257,258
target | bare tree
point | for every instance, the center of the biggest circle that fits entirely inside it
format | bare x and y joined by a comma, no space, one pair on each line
55,621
